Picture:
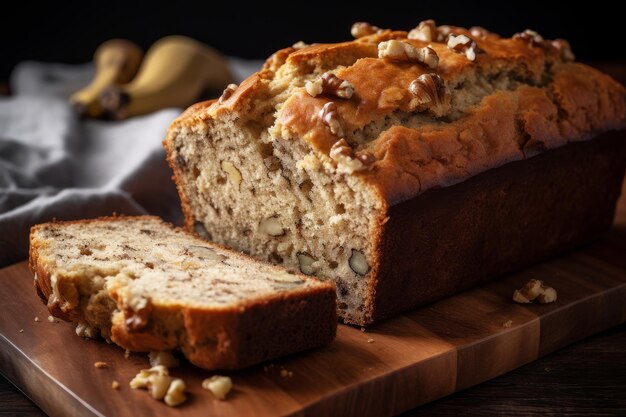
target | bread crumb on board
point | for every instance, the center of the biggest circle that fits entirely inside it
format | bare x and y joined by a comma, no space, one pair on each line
21,330
533,290
286,373
37,319
115,385
100,365
51,319
507,323
219,385
370,340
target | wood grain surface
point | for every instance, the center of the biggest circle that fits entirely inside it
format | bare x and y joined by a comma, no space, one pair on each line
411,360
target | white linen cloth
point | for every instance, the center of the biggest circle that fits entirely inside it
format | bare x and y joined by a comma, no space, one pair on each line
54,165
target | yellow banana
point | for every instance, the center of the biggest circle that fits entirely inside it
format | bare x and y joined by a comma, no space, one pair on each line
116,62
174,73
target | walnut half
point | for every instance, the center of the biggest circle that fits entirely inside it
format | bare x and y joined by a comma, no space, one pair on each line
429,92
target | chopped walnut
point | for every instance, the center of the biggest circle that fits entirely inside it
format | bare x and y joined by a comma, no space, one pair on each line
219,385
564,49
360,29
548,295
348,161
160,384
534,289
228,91
531,37
404,51
330,117
479,32
341,147
429,91
175,393
426,31
331,85
463,44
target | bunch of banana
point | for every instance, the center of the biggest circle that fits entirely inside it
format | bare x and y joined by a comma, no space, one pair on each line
116,62
174,73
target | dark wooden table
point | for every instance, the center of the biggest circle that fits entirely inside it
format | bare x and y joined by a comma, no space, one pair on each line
585,379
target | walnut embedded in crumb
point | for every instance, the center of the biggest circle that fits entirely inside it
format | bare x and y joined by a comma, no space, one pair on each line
100,365
115,385
534,289
507,324
219,385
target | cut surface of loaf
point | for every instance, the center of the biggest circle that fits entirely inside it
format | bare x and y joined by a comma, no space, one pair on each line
146,285
304,162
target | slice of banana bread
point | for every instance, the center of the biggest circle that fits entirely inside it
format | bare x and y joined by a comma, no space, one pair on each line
146,285
328,159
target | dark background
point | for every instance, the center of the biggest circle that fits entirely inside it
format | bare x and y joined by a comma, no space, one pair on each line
70,31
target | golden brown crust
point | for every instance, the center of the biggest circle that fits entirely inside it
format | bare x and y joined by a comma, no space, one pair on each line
556,102
210,338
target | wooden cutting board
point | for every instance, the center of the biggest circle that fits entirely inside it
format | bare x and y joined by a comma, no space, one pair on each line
397,365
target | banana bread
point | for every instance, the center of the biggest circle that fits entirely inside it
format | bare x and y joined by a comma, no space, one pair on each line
146,285
405,166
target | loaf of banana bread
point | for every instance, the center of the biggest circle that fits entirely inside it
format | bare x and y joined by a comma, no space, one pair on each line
146,285
405,166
